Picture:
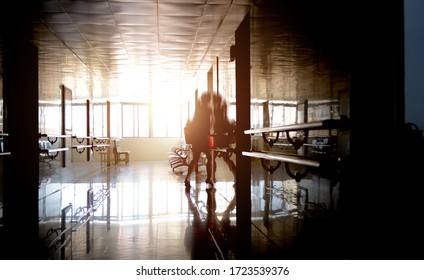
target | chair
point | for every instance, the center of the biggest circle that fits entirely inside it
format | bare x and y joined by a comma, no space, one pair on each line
119,155
44,155
103,157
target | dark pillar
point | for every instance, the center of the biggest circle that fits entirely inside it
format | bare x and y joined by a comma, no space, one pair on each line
243,168
20,204
375,195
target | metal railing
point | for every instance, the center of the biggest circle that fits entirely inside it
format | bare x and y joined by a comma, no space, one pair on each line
74,222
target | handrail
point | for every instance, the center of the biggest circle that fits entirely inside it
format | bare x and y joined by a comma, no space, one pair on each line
53,150
217,247
86,212
54,135
327,165
64,237
284,158
81,146
99,197
92,142
81,137
325,124
52,138
52,153
101,145
2,152
93,202
80,217
83,219
341,124
100,138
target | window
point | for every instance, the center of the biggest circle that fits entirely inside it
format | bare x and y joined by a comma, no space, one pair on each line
126,119
79,120
166,120
49,122
99,120
174,121
135,120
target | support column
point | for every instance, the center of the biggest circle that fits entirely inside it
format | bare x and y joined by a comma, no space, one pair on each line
109,149
88,129
243,168
20,172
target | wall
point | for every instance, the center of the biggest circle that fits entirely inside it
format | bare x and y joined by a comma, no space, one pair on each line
414,61
149,148
140,149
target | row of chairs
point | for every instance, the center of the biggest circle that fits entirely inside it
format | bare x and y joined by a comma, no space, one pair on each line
179,159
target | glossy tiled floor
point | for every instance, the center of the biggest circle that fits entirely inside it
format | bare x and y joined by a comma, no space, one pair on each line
147,215
141,211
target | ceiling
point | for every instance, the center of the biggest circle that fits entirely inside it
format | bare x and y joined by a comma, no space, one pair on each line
99,41
121,49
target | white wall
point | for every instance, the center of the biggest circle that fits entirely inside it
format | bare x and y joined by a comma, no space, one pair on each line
140,149
149,148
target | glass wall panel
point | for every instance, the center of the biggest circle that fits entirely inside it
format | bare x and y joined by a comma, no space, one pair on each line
127,120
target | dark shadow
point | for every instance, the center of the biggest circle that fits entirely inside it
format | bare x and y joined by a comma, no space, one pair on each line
197,237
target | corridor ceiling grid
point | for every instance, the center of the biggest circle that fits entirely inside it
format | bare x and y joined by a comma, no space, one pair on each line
95,46
99,39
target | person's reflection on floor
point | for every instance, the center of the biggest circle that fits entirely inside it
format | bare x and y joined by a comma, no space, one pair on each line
225,220
211,207
197,237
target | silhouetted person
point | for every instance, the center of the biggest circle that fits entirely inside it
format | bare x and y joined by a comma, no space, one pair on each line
200,138
223,126
223,131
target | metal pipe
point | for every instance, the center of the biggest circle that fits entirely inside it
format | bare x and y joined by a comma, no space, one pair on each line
66,234
326,124
285,158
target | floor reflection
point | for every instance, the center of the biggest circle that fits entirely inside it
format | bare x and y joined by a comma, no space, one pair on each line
142,211
146,197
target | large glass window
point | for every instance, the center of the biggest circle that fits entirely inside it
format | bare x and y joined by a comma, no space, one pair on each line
79,120
115,120
128,120
256,115
174,121
143,121
166,120
49,122
99,120
135,120
282,114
